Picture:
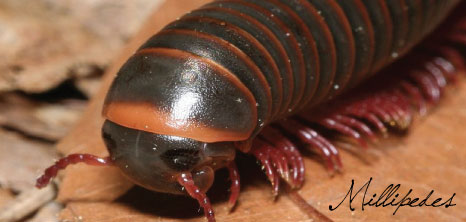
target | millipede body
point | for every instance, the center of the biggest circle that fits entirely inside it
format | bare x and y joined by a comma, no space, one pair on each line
253,75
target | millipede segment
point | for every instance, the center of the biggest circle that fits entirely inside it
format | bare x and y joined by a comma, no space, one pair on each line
297,54
389,102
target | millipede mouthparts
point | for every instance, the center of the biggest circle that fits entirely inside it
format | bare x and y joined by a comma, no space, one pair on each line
265,78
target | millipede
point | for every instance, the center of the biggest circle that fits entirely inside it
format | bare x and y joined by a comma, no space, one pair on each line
266,77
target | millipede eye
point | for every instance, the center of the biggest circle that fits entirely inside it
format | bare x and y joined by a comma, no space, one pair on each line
181,159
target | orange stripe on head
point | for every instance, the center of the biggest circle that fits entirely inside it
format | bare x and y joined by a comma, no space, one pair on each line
146,117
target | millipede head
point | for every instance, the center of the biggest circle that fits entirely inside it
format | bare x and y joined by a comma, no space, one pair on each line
156,161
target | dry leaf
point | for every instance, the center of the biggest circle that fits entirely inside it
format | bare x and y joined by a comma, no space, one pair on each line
89,85
48,213
26,203
48,121
55,40
5,196
22,160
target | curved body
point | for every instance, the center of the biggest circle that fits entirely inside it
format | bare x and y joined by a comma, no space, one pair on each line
210,81
224,71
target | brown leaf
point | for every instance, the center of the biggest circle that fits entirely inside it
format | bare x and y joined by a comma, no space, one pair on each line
48,213
5,196
55,40
22,160
39,119
26,203
89,85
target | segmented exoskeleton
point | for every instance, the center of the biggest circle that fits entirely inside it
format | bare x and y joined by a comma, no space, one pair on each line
215,80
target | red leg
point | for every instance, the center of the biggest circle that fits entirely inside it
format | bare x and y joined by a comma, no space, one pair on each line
343,129
447,67
403,103
370,117
279,158
360,126
294,158
310,139
52,171
336,160
281,163
261,150
381,113
399,118
437,73
427,86
449,60
235,184
186,180
415,96
317,142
